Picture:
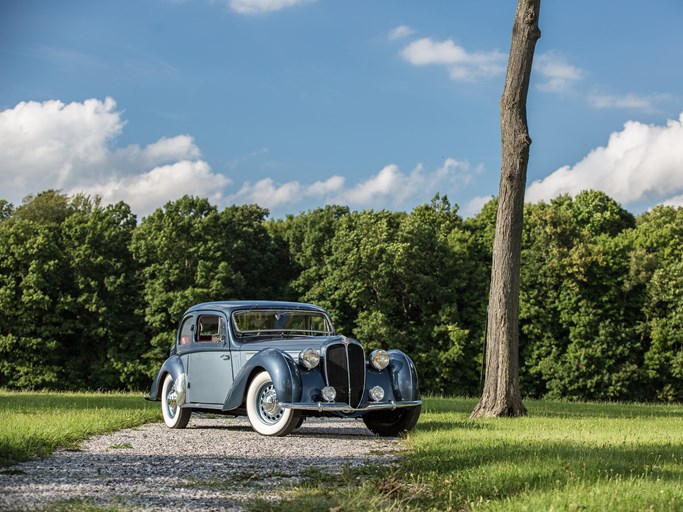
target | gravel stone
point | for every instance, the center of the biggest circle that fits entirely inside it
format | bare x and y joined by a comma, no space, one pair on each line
213,464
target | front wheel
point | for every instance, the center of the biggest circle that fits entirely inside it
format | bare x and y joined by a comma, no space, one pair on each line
174,416
392,423
264,413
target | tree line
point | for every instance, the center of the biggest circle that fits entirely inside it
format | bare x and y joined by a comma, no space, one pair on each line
90,297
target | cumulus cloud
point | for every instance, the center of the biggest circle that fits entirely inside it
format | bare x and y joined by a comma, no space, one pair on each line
390,187
147,191
461,64
393,187
269,194
261,6
640,162
556,73
400,32
71,147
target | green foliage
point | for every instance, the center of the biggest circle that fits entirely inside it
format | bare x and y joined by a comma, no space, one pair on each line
578,313
89,299
397,280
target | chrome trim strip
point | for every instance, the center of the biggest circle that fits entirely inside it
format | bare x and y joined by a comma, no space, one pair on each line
331,406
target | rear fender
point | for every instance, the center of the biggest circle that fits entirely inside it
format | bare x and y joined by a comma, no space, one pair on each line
174,367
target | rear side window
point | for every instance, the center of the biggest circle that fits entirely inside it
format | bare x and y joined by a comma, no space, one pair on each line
186,331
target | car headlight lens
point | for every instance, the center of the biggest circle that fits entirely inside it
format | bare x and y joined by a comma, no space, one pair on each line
377,393
379,359
310,358
329,393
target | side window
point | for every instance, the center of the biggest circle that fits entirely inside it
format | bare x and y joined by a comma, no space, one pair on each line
185,335
209,328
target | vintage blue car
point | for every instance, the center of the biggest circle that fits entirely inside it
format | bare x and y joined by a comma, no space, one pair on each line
278,363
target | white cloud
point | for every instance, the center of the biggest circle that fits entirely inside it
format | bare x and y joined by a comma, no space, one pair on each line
474,205
324,188
392,187
269,194
640,162
461,64
70,147
557,74
147,191
400,32
261,6
626,101
44,145
674,201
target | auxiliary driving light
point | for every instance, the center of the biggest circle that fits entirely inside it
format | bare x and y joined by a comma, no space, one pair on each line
329,393
377,393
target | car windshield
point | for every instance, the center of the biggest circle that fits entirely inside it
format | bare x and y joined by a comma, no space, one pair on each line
284,323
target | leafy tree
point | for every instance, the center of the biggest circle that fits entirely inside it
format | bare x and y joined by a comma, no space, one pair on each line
49,207
33,280
656,266
305,242
255,253
578,312
388,279
104,313
6,210
182,251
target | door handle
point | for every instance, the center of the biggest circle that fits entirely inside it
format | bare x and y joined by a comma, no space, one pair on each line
225,357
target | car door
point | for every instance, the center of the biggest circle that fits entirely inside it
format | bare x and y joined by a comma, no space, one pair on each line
209,369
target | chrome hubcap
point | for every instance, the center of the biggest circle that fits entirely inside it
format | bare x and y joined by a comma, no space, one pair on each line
172,402
268,409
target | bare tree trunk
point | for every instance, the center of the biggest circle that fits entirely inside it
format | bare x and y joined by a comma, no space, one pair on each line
501,395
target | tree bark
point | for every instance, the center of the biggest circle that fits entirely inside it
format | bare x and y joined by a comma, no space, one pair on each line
501,395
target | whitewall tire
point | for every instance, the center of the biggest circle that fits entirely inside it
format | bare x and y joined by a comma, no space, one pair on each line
265,415
174,415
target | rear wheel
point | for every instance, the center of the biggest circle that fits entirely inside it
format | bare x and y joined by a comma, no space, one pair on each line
264,413
174,416
392,423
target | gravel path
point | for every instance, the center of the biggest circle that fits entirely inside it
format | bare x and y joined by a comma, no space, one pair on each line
214,464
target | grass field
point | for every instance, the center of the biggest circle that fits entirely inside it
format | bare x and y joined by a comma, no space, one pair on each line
34,424
563,457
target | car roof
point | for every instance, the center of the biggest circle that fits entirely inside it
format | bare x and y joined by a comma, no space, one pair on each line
232,305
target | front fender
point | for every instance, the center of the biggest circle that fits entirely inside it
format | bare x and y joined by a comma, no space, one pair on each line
173,366
282,370
403,376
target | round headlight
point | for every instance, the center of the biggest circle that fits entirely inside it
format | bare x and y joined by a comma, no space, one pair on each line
376,393
309,357
329,393
379,359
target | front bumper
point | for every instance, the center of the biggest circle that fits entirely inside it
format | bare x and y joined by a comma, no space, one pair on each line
331,406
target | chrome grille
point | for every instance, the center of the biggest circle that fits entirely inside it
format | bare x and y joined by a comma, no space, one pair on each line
345,371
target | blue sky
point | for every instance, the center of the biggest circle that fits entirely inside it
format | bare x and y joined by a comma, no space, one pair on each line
297,104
